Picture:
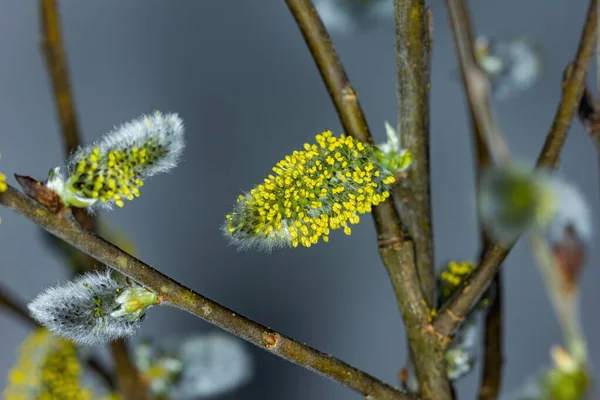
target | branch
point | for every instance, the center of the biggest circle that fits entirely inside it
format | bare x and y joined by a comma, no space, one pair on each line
462,32
129,378
590,118
573,85
413,50
56,62
130,382
493,359
64,226
8,302
340,90
397,254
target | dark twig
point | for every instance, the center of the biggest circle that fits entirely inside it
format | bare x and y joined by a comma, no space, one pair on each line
573,87
9,303
56,62
493,359
130,381
463,40
453,312
64,226
340,90
398,254
413,47
462,31
589,115
126,371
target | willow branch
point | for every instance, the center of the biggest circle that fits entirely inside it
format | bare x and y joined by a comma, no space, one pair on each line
129,378
8,302
462,32
590,118
573,87
65,227
413,47
56,62
454,311
340,90
493,344
397,254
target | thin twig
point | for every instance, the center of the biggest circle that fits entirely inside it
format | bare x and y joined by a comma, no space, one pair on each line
462,31
573,88
413,46
453,312
56,62
129,378
493,359
474,82
340,90
7,301
396,253
64,226
589,116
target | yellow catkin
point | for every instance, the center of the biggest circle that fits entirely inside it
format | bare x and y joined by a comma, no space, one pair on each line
324,187
453,276
47,369
3,185
114,168
115,175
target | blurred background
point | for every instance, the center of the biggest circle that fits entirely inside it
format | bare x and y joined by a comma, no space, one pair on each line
241,77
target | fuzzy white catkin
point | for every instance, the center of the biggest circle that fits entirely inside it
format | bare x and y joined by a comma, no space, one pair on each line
113,168
509,197
213,364
513,199
572,211
81,309
164,129
345,16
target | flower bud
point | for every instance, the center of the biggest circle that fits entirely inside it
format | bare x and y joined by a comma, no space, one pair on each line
114,168
92,309
513,199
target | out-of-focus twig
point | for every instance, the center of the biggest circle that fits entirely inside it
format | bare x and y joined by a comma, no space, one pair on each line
560,266
493,344
589,115
479,107
474,82
56,62
452,313
573,87
130,381
397,253
8,302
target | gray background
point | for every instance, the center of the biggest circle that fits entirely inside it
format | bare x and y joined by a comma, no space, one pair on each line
239,74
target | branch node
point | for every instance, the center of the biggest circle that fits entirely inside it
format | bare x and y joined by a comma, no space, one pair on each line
270,339
40,193
444,340
348,93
